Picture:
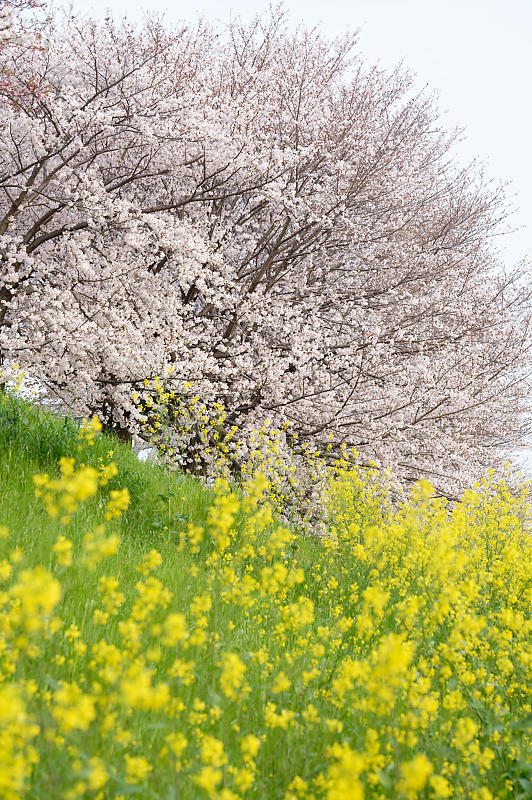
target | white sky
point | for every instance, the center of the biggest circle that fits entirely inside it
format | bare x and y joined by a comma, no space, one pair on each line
476,53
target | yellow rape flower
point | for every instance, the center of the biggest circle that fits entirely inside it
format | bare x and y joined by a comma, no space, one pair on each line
414,776
72,709
441,788
175,630
137,769
212,751
63,548
118,502
232,677
281,683
208,778
98,775
343,775
249,745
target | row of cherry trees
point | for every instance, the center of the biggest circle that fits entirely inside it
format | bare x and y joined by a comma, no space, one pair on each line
258,212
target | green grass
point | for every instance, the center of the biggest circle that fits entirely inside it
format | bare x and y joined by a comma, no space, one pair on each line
393,664
32,440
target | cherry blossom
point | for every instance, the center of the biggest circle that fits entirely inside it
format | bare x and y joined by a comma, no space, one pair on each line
262,214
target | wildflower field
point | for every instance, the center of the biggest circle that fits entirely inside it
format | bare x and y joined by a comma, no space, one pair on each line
161,640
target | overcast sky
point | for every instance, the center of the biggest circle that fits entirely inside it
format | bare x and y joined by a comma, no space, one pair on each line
476,53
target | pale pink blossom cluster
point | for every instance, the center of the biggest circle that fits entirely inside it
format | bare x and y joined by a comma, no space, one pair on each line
259,213
20,24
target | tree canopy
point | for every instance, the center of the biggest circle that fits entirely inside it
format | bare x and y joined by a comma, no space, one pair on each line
258,212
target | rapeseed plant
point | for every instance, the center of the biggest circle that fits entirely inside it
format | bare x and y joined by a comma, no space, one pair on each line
387,658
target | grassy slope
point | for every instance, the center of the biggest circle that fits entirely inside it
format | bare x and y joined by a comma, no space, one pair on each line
33,440
161,503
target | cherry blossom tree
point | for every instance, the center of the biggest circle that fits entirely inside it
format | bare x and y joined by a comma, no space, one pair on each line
261,214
